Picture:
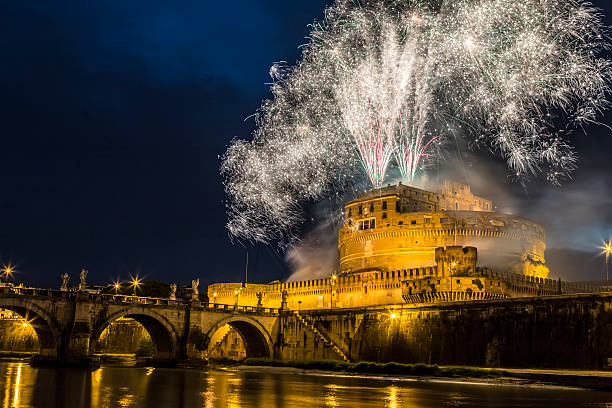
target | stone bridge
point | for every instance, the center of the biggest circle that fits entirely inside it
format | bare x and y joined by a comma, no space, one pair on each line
68,323
561,331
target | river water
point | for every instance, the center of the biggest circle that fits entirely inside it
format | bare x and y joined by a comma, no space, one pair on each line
24,386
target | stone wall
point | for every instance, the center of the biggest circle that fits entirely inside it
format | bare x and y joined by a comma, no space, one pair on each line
561,331
14,336
122,337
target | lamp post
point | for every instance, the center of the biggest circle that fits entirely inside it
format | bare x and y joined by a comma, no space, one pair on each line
135,284
454,264
332,281
8,271
607,250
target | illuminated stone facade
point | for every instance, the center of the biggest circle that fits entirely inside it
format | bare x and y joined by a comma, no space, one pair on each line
454,278
401,244
399,227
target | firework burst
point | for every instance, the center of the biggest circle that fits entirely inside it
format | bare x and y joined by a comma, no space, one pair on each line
380,83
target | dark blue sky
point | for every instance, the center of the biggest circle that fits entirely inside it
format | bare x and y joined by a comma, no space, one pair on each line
113,116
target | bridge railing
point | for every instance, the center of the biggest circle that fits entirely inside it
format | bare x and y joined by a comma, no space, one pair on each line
240,309
135,299
17,290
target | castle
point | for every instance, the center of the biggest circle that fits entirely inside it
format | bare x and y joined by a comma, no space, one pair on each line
401,244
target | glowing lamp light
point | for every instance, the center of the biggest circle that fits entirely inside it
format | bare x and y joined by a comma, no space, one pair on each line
392,315
215,294
24,324
8,270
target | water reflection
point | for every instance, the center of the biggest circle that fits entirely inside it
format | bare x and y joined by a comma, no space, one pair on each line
146,387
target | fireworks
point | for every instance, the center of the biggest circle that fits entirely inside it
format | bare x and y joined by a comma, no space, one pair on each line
380,85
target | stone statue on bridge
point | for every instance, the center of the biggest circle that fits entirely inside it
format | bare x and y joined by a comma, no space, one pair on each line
284,295
65,279
83,284
172,292
194,289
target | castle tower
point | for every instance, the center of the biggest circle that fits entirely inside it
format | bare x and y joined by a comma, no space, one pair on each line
456,261
398,227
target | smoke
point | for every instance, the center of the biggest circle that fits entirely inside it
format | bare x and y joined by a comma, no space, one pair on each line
317,255
576,217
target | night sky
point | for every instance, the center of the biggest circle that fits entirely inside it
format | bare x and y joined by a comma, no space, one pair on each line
115,113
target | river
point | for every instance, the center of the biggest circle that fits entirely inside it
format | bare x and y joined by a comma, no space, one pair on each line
24,386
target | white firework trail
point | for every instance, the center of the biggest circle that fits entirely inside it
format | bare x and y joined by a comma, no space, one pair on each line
381,82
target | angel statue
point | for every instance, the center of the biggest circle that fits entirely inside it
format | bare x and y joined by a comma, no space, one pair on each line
194,289
83,284
173,291
65,279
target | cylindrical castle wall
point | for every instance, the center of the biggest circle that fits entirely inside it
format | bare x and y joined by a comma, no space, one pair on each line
408,240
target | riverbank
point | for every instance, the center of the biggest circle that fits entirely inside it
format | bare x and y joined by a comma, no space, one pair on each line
599,380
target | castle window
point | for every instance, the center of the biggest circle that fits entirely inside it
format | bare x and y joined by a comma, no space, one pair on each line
413,222
350,212
384,205
458,280
371,207
427,220
360,209
372,223
384,215
400,223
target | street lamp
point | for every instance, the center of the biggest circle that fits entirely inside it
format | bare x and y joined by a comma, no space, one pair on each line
135,284
332,281
116,286
607,249
8,271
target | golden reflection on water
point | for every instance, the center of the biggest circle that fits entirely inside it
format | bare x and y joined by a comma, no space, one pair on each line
17,382
234,392
331,396
12,388
210,395
108,387
392,399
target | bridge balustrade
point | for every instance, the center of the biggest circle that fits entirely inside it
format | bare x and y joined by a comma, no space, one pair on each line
241,309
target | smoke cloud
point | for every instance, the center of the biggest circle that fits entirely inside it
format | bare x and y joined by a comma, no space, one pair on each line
317,255
576,217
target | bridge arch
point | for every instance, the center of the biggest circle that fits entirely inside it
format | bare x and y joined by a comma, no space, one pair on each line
161,330
256,339
45,326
